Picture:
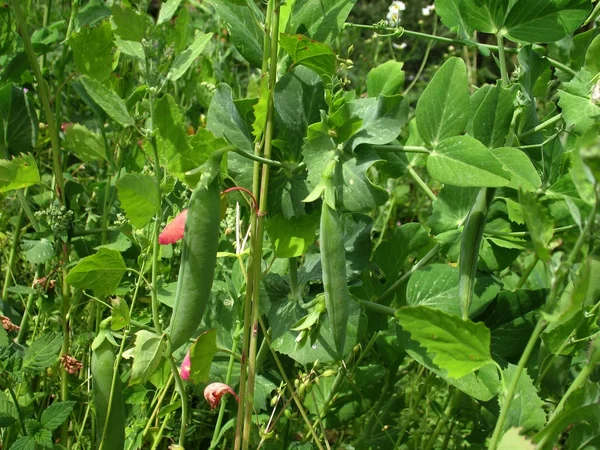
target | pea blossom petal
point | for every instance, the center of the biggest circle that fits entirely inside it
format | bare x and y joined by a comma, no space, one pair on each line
186,366
214,391
173,232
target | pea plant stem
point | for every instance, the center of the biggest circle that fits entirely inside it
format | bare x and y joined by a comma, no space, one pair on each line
8,275
421,183
542,126
403,148
502,60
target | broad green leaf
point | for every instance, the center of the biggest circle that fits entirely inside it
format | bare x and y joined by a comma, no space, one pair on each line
243,21
184,60
359,194
578,108
443,107
540,225
139,198
18,173
85,144
224,120
321,20
451,208
436,286
202,353
526,408
28,442
131,48
42,353
454,17
119,314
108,100
485,15
92,13
523,174
148,351
512,440
167,11
544,21
492,108
460,346
55,414
386,79
18,120
3,343
306,52
8,412
392,254
261,109
101,272
92,50
292,237
129,25
464,161
37,252
592,56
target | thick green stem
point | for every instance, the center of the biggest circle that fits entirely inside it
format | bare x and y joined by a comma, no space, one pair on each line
502,60
403,148
421,183
541,126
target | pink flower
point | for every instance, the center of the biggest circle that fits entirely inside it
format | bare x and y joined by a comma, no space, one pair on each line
214,391
174,230
186,366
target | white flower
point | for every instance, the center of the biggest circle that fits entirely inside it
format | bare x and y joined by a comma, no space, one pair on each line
393,15
427,10
400,46
399,6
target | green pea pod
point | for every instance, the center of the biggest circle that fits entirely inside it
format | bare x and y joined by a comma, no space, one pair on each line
470,244
198,261
335,284
103,361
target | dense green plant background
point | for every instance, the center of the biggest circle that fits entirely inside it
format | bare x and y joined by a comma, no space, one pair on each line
408,253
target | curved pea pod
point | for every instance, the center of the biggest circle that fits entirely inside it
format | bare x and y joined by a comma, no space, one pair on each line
335,284
198,261
103,361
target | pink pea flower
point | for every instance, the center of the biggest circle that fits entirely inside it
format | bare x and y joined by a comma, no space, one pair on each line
214,391
186,366
174,229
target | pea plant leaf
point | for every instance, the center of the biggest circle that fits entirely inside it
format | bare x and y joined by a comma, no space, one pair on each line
101,272
464,161
37,251
108,100
18,173
513,440
129,25
578,109
526,408
460,346
539,223
484,15
202,352
544,21
321,20
315,55
147,353
492,109
443,107
92,50
139,198
85,144
385,79
523,174
292,237
391,255
18,121
451,208
184,60
167,11
243,21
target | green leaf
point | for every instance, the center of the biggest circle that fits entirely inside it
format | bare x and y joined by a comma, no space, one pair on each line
184,60
202,353
464,161
592,56
18,120
359,194
3,339
92,13
243,24
101,272
443,107
147,353
18,173
523,174
451,208
37,252
540,225
92,49
292,237
85,144
129,25
108,100
224,120
392,254
315,55
512,440
119,314
454,17
484,15
42,353
526,408
436,286
167,10
544,21
139,198
492,109
578,109
55,414
321,20
385,79
24,443
460,346
130,48
8,411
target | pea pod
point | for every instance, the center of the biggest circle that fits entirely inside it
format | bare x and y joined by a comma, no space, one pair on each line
470,244
198,261
103,361
335,284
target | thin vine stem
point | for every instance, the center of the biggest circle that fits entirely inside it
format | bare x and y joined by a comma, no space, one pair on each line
423,61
